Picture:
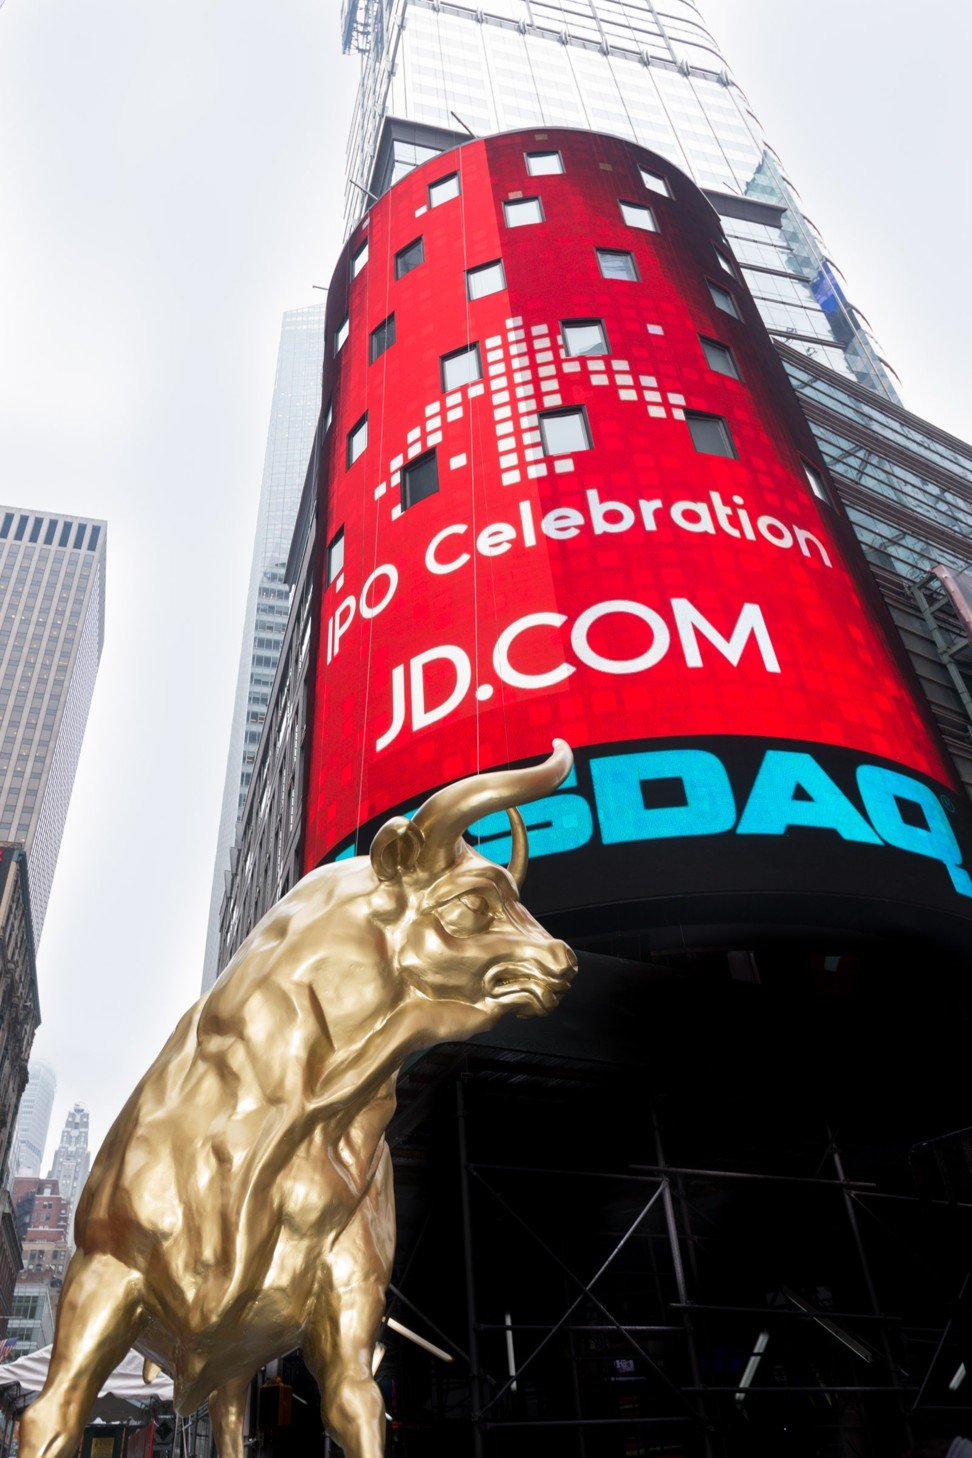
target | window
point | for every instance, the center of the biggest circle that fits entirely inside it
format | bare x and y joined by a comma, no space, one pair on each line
409,257
723,299
520,211
615,264
655,183
637,216
724,263
710,434
489,278
357,439
381,338
584,336
341,335
816,482
359,259
461,367
335,556
444,189
542,164
420,478
564,431
719,357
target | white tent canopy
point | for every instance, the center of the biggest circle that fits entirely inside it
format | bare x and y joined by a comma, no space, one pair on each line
125,1382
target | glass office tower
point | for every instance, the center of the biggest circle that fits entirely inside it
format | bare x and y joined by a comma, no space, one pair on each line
432,72
293,420
52,628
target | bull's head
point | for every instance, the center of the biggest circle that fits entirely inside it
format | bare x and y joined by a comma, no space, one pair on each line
462,932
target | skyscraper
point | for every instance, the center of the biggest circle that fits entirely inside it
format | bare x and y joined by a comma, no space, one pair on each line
52,626
72,1158
293,418
33,1120
431,73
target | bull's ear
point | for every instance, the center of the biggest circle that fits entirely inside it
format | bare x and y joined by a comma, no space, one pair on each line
396,848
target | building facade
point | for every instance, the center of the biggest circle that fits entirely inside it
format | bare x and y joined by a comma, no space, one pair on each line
31,1324
72,1158
432,72
34,1120
43,1217
52,626
294,413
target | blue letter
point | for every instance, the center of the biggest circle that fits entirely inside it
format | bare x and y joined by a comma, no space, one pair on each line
557,823
709,805
771,806
881,789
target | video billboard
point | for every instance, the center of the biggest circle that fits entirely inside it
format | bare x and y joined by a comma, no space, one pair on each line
568,492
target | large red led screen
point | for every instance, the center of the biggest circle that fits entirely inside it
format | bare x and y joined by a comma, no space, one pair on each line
567,491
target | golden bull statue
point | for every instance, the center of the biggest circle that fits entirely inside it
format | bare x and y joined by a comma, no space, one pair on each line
242,1203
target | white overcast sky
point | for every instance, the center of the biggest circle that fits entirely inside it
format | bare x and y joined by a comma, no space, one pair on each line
170,182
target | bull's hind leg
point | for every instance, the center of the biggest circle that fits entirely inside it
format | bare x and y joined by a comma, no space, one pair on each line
97,1321
227,1408
340,1341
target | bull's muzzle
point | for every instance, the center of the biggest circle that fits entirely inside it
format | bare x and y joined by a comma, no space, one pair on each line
530,987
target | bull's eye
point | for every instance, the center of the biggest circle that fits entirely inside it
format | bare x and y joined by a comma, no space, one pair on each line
467,914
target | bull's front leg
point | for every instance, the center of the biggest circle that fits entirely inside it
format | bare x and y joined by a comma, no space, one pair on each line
98,1319
339,1342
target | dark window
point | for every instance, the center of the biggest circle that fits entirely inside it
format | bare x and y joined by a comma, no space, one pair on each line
381,338
654,183
564,431
65,534
341,335
359,259
816,481
723,299
710,434
461,367
21,528
35,529
720,358
488,278
409,257
420,478
51,532
520,211
79,534
541,164
335,556
614,263
444,189
357,439
638,216
93,536
7,524
584,336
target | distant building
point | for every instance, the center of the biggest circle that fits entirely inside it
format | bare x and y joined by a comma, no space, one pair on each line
72,1158
52,621
31,1324
33,1120
293,420
43,1220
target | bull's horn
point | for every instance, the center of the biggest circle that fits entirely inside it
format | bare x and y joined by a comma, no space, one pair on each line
521,848
446,814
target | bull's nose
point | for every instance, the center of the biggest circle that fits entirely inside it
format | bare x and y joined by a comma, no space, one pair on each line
570,959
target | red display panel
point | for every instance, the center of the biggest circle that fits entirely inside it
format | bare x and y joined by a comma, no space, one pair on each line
582,504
